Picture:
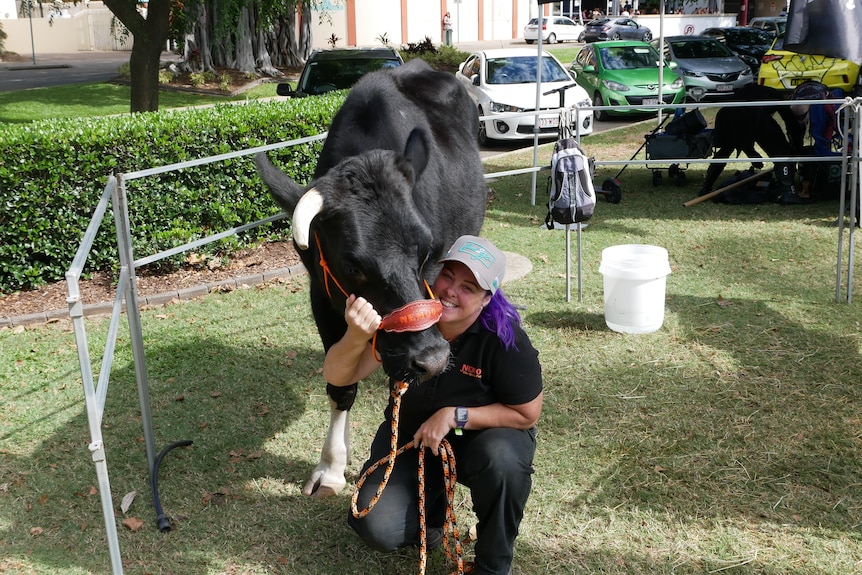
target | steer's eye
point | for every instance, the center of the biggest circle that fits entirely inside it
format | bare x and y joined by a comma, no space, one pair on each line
354,272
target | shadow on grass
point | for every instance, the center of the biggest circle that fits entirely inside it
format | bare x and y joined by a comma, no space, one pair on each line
760,429
234,402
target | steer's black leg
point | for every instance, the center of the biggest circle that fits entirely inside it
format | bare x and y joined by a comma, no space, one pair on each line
342,396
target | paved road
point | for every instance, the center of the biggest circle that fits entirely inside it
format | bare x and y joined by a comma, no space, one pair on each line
63,69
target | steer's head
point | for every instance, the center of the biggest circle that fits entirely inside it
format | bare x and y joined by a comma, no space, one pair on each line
360,229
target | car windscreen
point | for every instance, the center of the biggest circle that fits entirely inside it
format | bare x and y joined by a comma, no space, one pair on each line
522,70
628,57
748,37
328,75
700,49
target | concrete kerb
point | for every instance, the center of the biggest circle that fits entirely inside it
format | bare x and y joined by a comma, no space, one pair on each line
517,266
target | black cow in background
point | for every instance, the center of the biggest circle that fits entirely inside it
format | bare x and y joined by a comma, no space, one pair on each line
738,129
398,180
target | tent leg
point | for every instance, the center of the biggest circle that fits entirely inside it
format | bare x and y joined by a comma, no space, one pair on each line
580,267
98,451
124,244
568,263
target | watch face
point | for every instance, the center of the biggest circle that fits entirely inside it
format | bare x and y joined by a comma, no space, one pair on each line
461,414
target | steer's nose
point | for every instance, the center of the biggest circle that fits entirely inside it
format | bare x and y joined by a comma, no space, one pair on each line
431,361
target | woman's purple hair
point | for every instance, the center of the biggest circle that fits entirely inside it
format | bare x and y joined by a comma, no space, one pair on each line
498,316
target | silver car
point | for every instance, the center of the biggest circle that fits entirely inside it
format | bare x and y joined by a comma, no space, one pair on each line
708,67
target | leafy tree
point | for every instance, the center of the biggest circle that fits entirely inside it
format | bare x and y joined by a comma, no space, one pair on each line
247,35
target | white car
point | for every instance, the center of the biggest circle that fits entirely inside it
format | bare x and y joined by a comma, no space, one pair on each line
504,81
554,29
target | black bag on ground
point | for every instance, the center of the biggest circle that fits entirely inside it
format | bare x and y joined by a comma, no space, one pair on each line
688,124
572,197
757,191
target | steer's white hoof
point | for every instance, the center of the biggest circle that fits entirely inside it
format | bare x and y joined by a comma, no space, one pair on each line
320,487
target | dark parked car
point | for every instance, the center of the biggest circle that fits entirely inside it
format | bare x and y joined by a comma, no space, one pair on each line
339,69
616,29
774,25
749,44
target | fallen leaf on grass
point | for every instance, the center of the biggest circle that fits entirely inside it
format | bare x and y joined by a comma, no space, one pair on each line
36,531
128,498
132,523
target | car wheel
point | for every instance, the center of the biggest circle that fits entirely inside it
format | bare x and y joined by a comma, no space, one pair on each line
552,39
483,133
581,37
616,36
530,41
599,115
647,36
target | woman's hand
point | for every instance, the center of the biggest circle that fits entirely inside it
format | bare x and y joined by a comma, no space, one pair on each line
361,316
435,428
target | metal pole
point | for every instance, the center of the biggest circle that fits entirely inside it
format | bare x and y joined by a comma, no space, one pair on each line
540,21
661,60
580,265
850,165
124,244
569,262
32,41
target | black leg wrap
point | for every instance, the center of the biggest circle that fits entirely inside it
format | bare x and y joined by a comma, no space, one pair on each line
342,396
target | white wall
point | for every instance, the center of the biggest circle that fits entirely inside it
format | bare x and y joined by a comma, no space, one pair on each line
88,29
425,20
334,23
8,10
373,19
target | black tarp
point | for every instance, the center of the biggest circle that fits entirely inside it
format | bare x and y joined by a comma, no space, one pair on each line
828,27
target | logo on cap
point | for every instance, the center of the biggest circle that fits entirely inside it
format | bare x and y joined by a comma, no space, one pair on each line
478,253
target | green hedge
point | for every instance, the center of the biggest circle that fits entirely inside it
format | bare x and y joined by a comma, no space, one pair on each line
54,172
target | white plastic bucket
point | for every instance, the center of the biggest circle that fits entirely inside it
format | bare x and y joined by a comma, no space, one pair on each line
634,278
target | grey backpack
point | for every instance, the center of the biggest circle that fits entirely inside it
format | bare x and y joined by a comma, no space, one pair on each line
570,185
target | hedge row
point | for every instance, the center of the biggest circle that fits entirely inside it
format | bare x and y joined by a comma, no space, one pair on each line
54,172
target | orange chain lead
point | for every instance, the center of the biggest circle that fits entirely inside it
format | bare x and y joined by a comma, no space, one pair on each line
450,528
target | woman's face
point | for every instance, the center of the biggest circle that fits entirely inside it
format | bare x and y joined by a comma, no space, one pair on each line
462,298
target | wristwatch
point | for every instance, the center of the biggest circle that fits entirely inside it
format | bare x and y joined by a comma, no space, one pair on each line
460,419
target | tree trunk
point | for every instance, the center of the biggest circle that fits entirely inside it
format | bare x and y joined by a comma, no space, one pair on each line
244,54
262,60
283,44
144,68
198,56
149,35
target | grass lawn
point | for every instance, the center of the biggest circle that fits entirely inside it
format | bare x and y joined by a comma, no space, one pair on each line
729,441
101,99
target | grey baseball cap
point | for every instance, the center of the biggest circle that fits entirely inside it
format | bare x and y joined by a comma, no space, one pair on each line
487,263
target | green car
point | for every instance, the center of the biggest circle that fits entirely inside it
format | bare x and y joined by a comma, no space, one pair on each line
625,73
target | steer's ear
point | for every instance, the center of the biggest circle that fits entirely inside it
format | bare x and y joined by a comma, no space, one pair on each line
416,151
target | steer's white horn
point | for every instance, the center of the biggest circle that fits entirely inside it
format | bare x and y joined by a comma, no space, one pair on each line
308,206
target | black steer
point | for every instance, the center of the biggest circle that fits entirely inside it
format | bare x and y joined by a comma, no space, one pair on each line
398,180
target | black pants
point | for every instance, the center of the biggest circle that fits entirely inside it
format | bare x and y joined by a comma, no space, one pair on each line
495,464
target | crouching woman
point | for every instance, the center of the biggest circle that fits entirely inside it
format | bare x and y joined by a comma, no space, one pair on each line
486,405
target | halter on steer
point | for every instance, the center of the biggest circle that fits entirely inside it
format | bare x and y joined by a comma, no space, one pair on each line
414,316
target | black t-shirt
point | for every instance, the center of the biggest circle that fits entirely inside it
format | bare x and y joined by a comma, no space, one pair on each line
481,372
